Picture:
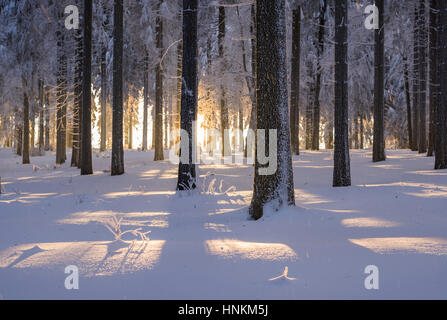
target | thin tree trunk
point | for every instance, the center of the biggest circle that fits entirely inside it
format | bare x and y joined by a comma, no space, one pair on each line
310,103
76,150
252,120
224,115
117,167
320,49
41,118
159,90
60,98
423,79
415,123
86,142
362,131
275,188
379,62
26,143
102,147
408,99
19,143
433,69
130,128
47,120
441,95
187,169
295,82
342,167
145,100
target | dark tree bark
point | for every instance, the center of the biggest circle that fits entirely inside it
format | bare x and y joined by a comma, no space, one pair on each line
19,139
433,82
250,85
272,108
179,85
408,99
295,82
356,131
145,100
224,116
252,120
320,49
76,150
362,131
26,138
441,95
86,140
423,79
187,169
310,104
416,87
61,95
379,62
159,90
117,126
130,128
102,147
47,120
41,118
342,167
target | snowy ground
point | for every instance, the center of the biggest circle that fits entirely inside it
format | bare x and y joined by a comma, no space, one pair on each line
204,247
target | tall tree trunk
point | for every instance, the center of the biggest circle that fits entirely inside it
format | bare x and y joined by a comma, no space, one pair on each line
130,128
60,97
441,95
179,85
252,117
362,131
187,169
379,62
117,126
408,99
41,118
26,143
224,115
19,143
320,49
145,99
356,131
342,167
47,120
423,78
275,188
310,104
86,142
102,147
416,87
295,82
159,89
76,150
433,82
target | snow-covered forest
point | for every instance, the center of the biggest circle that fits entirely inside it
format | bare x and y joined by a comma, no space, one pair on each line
223,149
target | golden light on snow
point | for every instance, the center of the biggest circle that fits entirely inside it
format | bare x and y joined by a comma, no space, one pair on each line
431,246
139,219
309,198
428,173
233,248
93,258
137,193
424,190
28,198
368,223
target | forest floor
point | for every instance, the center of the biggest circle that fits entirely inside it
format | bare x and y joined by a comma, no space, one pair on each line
202,246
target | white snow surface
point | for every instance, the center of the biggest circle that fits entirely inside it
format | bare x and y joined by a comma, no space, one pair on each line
203,246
